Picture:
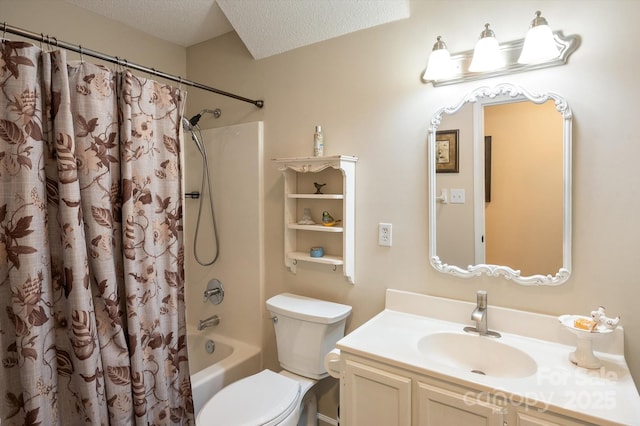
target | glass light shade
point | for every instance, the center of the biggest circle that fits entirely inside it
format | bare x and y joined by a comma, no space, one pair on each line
439,65
539,46
486,55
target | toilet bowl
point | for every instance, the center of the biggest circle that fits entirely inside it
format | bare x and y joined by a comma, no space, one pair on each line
306,330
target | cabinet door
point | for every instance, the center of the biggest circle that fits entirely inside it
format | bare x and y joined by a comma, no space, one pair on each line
371,396
437,406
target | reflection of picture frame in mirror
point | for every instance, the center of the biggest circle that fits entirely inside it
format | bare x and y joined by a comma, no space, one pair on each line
447,151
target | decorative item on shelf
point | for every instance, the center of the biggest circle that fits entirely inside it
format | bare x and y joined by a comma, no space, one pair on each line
541,48
586,328
318,187
306,218
328,220
316,252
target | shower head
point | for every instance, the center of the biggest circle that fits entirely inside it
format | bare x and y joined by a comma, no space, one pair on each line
216,113
186,125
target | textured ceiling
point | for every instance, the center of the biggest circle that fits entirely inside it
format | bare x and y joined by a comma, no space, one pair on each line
185,22
267,27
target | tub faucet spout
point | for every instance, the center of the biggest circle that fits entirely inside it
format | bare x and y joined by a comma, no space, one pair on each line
208,322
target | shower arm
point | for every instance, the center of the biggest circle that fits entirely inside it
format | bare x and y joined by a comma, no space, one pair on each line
196,118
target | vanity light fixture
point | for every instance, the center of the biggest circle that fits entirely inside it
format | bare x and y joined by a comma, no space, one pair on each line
462,67
439,65
538,44
486,55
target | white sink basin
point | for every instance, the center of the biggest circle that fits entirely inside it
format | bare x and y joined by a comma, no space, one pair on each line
478,354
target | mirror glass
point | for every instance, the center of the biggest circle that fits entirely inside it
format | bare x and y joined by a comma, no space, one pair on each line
500,186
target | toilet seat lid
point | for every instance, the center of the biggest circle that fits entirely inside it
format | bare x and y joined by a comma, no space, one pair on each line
262,399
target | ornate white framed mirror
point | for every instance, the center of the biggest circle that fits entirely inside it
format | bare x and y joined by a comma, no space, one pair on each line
505,208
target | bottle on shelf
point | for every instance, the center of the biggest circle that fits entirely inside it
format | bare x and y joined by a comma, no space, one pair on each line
318,142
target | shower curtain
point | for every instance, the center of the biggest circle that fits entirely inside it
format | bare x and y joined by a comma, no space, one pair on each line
92,320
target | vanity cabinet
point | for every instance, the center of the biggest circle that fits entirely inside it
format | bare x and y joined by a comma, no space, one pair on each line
412,364
374,393
336,176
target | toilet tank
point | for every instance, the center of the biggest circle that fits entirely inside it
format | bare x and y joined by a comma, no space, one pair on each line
306,330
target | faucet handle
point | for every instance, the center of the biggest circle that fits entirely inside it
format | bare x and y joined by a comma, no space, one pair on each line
481,299
214,292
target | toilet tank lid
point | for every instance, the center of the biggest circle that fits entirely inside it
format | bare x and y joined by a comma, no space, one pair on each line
308,309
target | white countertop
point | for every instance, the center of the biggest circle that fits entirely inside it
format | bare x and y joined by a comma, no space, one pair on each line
604,395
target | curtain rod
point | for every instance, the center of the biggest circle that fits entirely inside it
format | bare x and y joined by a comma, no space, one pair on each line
123,62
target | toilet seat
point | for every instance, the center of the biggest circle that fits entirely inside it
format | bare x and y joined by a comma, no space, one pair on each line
264,399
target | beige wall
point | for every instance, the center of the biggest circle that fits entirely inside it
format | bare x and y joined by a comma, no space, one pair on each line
78,26
365,90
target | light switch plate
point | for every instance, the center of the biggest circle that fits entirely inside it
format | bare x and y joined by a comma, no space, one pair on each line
456,196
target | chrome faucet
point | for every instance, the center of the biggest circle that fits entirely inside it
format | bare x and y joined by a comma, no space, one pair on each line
479,315
209,322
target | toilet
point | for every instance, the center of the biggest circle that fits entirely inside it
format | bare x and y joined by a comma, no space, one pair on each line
306,330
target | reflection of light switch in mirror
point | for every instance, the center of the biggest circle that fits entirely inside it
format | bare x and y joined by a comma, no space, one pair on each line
457,196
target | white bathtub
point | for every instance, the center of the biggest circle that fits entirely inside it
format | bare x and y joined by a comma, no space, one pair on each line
232,360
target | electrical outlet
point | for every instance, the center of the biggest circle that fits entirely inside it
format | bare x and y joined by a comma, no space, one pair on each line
384,234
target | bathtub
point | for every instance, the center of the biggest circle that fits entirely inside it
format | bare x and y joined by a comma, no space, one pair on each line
230,361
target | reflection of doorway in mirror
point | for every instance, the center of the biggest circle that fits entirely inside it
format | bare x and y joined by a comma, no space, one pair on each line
524,220
442,152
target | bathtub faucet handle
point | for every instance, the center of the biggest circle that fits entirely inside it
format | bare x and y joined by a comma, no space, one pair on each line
214,292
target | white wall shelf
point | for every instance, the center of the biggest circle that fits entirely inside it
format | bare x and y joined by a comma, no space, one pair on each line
317,196
315,228
339,199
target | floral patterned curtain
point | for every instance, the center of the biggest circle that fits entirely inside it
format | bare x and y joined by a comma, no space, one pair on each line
92,318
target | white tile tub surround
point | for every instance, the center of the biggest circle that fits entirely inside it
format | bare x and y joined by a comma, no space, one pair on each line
232,360
392,337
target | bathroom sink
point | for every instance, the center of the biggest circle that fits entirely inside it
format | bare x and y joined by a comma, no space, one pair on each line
477,354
